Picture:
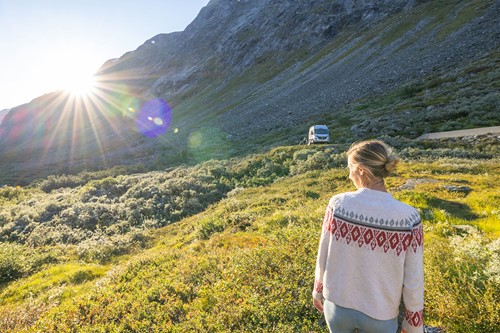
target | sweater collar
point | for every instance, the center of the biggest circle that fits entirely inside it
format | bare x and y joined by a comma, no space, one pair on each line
368,191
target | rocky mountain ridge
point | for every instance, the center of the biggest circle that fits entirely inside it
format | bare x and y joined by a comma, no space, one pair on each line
232,36
240,38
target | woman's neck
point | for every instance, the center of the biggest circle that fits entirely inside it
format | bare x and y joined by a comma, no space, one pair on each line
377,185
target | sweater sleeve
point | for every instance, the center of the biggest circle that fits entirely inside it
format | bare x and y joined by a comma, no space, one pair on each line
322,254
413,284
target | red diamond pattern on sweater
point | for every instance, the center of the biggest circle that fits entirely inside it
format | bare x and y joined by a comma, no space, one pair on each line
367,235
407,241
415,319
381,238
355,233
334,227
344,230
417,237
397,241
394,240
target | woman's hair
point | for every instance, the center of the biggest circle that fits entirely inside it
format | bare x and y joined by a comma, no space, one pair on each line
374,156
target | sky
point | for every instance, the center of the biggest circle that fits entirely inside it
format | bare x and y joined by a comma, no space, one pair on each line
49,45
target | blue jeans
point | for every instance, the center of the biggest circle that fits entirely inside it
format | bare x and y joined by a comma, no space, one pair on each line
344,320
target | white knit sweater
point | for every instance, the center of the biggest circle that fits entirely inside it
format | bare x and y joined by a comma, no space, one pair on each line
370,254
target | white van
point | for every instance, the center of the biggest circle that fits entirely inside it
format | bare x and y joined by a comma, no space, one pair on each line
318,134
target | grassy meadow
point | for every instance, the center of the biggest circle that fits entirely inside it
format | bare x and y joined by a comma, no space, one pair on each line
239,255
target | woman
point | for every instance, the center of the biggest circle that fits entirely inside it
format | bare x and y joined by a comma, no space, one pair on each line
370,252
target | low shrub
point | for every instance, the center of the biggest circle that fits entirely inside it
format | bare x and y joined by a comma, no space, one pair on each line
56,182
320,160
303,154
462,276
209,227
9,193
101,248
17,261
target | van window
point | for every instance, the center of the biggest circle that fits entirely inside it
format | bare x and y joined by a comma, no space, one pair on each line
321,131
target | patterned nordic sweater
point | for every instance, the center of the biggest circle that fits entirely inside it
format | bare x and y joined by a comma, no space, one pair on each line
371,253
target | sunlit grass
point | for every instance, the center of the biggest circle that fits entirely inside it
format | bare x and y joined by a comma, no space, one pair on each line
64,280
265,237
479,207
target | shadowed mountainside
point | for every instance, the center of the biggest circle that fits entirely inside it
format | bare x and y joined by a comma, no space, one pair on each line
244,71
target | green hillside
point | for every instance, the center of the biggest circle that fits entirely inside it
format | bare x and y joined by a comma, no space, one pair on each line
240,255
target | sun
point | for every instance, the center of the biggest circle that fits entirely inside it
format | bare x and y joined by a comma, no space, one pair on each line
80,84
72,70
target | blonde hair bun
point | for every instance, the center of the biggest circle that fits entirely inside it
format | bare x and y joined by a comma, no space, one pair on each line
392,162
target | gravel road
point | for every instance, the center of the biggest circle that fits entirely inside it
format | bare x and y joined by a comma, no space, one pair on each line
461,133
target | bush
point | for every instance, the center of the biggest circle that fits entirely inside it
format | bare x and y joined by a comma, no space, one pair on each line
303,154
102,249
9,193
462,283
320,160
54,182
209,227
17,261
110,206
258,171
12,262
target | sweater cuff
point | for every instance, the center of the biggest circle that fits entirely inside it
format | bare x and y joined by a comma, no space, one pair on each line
318,296
318,290
413,322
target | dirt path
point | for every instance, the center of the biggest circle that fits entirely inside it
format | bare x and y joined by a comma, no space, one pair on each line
456,134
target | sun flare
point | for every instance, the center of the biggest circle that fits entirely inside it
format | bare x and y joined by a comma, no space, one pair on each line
72,70
80,85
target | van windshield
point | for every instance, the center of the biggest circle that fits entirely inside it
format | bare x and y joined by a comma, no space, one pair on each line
321,131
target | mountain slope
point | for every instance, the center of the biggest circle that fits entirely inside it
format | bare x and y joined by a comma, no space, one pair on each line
245,72
274,66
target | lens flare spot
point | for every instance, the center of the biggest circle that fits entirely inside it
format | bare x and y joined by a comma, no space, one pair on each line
132,104
195,140
154,118
119,96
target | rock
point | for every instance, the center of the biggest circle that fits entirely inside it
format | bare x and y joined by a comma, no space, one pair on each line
429,329
465,229
458,189
411,183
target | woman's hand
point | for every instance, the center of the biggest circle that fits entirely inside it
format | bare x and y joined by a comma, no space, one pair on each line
318,305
